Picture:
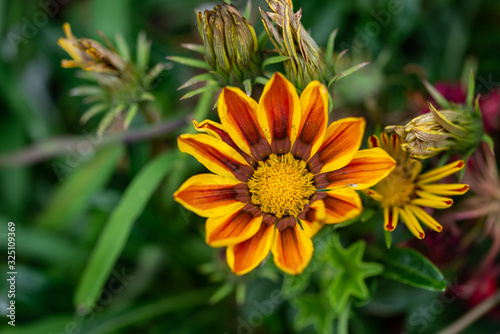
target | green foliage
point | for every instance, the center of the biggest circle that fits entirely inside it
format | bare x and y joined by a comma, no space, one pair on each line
117,229
410,267
350,273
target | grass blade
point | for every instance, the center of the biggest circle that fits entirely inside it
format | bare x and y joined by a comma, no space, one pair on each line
117,229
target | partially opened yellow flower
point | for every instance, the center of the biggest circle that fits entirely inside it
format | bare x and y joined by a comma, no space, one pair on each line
405,191
280,173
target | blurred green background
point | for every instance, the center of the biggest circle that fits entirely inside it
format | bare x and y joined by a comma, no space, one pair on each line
166,273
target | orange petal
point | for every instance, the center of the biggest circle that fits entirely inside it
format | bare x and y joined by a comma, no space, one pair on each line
216,130
342,140
237,113
216,155
279,113
365,170
232,228
210,195
247,255
314,104
341,205
292,249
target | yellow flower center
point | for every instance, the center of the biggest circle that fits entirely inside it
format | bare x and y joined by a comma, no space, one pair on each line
282,185
398,188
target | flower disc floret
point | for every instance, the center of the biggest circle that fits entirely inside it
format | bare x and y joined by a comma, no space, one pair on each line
282,185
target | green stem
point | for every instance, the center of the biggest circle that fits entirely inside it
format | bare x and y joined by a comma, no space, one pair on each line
343,320
477,312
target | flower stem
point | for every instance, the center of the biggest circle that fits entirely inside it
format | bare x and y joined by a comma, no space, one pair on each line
477,312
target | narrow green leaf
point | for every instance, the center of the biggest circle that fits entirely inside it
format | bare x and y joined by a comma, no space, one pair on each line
143,52
248,86
197,79
440,99
85,90
274,60
117,229
410,267
353,69
122,47
132,111
72,197
94,110
109,117
194,47
190,62
207,88
225,290
470,90
261,80
330,46
388,239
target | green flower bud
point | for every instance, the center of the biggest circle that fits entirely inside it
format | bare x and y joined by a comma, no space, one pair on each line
230,44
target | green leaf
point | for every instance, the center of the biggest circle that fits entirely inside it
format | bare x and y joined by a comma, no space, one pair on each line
313,309
117,229
225,290
440,99
388,239
94,110
132,111
143,52
72,197
190,62
86,90
412,268
470,90
330,46
123,48
274,60
194,47
196,79
207,88
351,273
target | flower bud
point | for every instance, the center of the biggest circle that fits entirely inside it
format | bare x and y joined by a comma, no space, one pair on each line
306,62
458,131
230,44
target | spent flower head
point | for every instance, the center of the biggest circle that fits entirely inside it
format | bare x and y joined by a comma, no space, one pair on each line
123,86
455,129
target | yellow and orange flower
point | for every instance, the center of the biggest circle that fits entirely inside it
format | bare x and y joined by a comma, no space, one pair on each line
405,191
280,173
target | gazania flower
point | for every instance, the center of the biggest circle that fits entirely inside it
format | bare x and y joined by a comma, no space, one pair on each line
280,173
405,192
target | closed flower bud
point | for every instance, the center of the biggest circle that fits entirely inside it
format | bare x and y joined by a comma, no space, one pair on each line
457,131
230,44
306,62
